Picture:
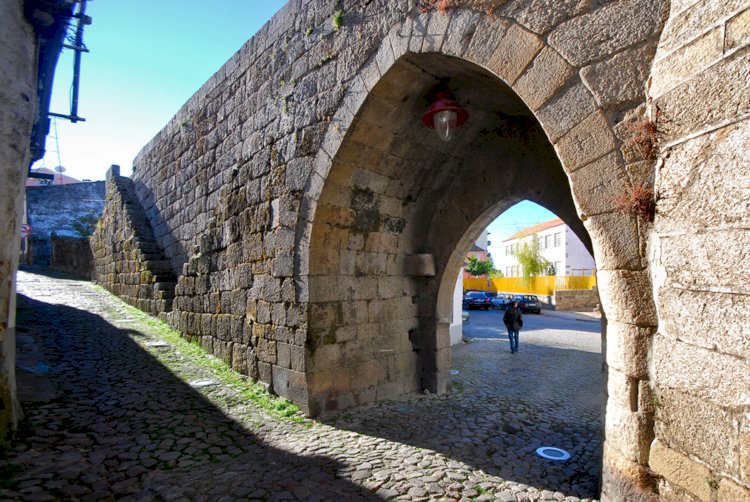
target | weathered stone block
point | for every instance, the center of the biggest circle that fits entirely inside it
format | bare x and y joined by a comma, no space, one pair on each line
513,54
463,24
540,16
729,490
266,351
616,240
737,31
621,78
608,30
723,85
563,112
691,261
586,142
622,390
700,372
625,480
680,470
546,75
420,265
629,348
688,61
699,191
436,30
627,297
745,446
486,36
629,432
692,19
695,426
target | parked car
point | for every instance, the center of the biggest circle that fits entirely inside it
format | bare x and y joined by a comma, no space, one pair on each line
476,299
500,301
528,303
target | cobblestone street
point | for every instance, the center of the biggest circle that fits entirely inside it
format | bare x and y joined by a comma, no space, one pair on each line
111,414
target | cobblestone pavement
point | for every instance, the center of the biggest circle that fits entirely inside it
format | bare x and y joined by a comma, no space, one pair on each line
110,415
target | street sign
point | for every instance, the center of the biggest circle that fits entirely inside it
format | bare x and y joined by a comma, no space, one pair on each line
25,230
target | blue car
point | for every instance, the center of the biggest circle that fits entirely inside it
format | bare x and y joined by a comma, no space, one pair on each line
477,300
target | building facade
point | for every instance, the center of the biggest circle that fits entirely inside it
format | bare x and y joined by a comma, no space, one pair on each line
557,243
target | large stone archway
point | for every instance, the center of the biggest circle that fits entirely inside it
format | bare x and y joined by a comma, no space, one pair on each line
388,202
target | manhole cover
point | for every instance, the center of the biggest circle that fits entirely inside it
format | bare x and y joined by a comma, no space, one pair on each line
552,453
455,372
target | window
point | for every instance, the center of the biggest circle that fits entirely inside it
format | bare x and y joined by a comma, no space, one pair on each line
558,269
558,239
540,241
546,241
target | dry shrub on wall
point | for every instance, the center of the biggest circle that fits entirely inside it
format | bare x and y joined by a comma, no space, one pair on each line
640,200
644,132
487,6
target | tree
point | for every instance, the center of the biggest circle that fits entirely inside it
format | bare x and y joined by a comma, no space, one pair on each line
85,225
477,267
531,260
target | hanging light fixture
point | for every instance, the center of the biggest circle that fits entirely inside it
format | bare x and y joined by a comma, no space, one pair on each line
444,114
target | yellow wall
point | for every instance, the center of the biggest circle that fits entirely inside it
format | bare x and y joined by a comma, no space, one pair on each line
539,285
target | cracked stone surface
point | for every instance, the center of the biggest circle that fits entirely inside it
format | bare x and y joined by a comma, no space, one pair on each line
111,415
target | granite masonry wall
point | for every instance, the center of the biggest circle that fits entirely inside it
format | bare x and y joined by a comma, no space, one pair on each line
316,228
73,256
700,357
62,210
128,262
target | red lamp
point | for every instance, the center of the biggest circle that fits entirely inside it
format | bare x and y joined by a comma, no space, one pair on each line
444,114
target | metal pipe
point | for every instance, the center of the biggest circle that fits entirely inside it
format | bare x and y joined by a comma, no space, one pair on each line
81,15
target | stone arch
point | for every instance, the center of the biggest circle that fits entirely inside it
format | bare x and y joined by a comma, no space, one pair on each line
581,131
576,124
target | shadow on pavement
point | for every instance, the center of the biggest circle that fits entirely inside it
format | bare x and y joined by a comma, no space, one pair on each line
503,407
105,420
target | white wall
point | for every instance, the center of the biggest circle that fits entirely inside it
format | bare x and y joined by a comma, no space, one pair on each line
456,329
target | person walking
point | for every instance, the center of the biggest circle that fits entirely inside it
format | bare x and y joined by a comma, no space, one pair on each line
514,322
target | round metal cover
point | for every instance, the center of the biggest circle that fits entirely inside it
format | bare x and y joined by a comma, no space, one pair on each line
552,453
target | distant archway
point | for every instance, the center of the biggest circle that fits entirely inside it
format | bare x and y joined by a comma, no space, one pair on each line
378,326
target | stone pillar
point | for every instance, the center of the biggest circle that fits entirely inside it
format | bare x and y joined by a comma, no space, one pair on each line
18,98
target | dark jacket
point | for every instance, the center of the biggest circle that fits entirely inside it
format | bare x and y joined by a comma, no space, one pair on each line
512,318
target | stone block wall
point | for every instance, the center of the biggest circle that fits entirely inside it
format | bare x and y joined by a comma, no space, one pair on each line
73,256
700,94
571,299
289,225
62,210
17,108
128,261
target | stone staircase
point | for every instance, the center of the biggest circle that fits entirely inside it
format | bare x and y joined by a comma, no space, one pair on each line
129,261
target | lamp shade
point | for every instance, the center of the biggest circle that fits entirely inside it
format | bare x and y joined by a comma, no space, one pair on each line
444,115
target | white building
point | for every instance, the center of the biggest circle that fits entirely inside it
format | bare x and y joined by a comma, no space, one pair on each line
557,243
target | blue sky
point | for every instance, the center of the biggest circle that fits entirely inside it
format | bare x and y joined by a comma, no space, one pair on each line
147,58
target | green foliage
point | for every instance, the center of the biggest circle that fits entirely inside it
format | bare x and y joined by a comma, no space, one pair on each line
477,267
85,225
531,260
194,353
337,19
